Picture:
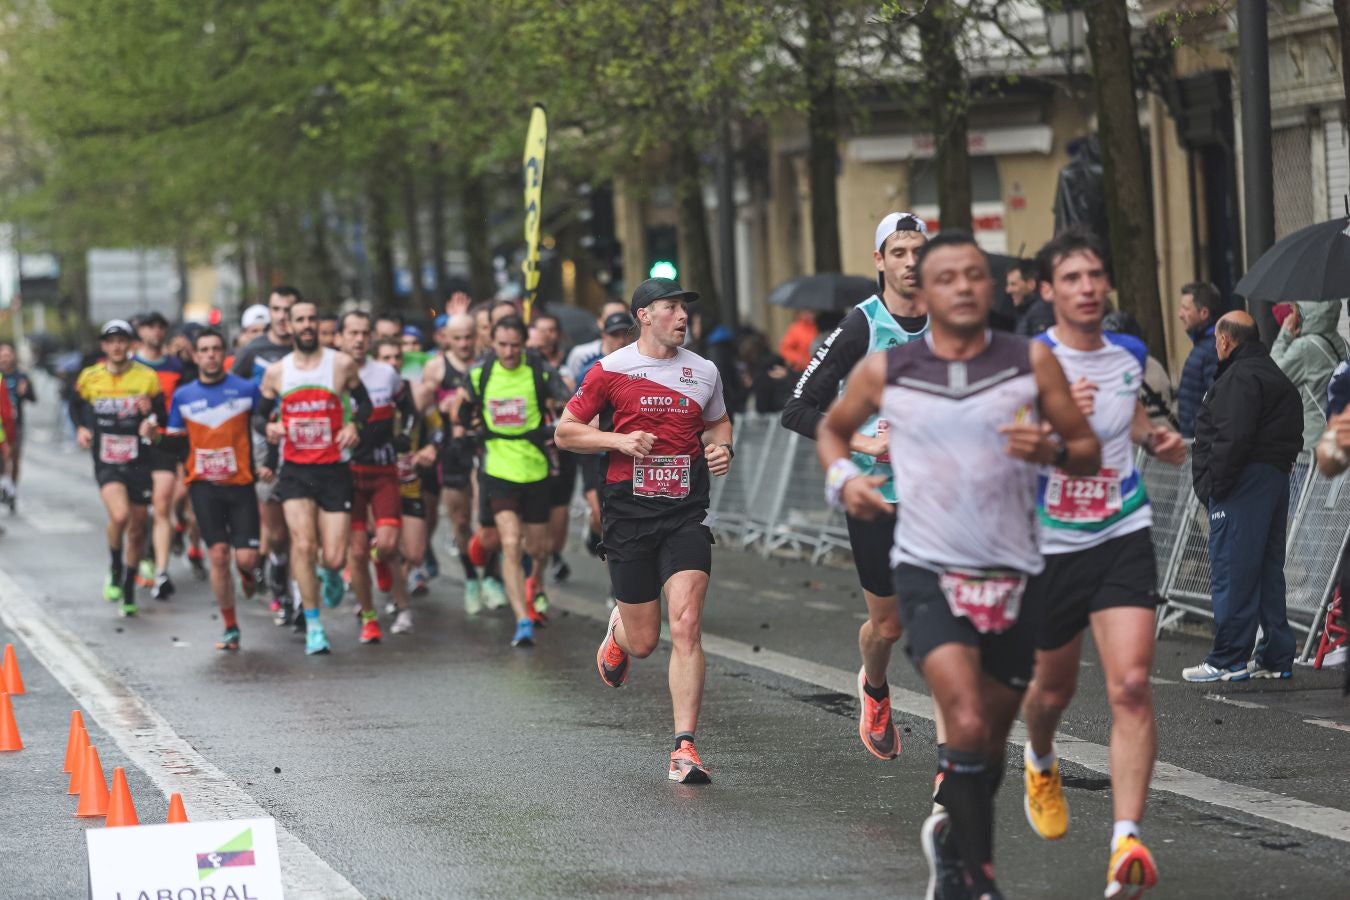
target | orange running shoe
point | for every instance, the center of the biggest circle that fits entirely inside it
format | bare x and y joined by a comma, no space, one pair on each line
686,767
1131,870
875,726
384,576
610,659
477,555
370,631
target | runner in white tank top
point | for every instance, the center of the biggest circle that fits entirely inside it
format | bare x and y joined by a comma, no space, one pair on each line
972,413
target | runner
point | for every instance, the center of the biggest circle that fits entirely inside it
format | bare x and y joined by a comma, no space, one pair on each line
447,373
671,431
252,363
1099,562
328,331
581,357
152,329
8,433
388,325
891,318
509,394
20,389
965,548
315,483
375,485
545,339
209,423
111,399
618,331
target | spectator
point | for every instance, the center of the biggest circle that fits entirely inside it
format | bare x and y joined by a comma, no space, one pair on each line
795,347
771,380
1200,308
723,352
1308,349
1248,432
1156,393
1036,314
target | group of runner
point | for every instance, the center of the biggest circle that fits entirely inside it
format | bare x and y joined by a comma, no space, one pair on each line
989,485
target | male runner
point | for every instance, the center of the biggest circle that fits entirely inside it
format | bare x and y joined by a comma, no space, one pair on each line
388,325
251,363
1099,562
20,389
152,329
8,432
111,399
671,431
375,488
971,414
545,339
310,385
328,331
509,393
210,422
581,357
888,319
618,331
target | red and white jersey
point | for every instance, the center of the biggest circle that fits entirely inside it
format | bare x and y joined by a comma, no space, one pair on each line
673,399
383,384
312,411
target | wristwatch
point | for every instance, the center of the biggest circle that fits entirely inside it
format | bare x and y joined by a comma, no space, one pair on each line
731,454
1061,456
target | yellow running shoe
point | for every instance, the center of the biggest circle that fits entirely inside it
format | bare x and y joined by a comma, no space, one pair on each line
1047,810
1131,870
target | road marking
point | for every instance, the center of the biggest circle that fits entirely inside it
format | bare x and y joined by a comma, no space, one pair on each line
822,605
1245,704
1327,723
1321,820
151,743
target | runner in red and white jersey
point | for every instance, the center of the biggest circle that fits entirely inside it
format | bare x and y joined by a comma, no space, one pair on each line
671,431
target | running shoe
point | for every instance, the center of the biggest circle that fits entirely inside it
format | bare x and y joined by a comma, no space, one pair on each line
1131,870
145,573
473,597
164,588
946,881
1258,670
331,587
477,555
390,607
558,570
298,620
610,659
316,642
1046,808
686,767
384,576
197,560
430,563
494,595
281,612
1205,673
370,631
417,582
403,622
229,640
536,602
524,636
112,591
875,724
129,609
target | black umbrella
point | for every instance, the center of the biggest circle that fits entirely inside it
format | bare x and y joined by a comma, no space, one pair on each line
826,291
1310,265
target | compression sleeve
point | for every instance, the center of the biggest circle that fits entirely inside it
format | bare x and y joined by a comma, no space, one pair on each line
831,364
361,405
262,413
406,423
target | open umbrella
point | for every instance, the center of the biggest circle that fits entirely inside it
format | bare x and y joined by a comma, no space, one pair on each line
826,291
1310,265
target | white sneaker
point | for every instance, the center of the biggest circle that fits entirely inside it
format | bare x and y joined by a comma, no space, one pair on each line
390,607
1256,670
473,598
1206,673
403,622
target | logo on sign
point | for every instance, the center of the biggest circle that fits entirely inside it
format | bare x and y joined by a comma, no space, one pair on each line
231,854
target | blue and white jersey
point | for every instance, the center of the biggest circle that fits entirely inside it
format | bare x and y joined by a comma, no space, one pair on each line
1077,512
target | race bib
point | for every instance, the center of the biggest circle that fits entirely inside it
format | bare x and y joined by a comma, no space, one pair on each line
509,412
309,434
407,472
661,476
988,600
216,464
118,449
1072,498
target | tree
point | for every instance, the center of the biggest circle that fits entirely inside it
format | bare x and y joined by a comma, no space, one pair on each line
947,94
820,68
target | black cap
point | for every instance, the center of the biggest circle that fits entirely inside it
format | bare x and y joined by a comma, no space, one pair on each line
654,289
151,318
618,323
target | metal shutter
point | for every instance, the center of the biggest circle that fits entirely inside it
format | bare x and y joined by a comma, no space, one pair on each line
1291,157
1338,166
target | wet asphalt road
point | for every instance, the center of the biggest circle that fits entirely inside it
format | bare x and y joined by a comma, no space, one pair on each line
447,764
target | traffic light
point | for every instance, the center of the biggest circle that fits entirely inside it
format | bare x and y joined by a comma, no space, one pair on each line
663,268
662,252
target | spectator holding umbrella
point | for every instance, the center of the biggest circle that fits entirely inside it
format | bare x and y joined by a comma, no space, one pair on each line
1200,309
1308,349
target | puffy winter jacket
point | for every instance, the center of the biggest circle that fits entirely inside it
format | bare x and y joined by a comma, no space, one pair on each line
1196,377
1310,358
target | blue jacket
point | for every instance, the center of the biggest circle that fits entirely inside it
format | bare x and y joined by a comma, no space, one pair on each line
1197,376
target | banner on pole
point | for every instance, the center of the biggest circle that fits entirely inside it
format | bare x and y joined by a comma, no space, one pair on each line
536,146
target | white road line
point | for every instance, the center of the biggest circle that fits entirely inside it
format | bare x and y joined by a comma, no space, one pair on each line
1327,723
1245,704
149,742
1321,820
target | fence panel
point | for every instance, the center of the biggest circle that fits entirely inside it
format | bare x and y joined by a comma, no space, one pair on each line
1316,540
803,514
731,512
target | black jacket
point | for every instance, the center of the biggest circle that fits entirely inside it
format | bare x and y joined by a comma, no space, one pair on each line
1252,414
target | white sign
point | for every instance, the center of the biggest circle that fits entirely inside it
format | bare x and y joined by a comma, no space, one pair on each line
234,860
982,142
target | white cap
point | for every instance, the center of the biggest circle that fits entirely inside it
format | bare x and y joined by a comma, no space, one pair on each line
256,314
899,221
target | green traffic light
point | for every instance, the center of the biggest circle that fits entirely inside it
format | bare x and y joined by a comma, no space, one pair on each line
663,268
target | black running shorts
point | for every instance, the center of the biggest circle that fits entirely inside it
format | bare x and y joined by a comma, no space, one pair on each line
929,623
329,485
136,479
871,543
457,462
1120,572
162,460
226,513
643,554
414,508
562,485
529,500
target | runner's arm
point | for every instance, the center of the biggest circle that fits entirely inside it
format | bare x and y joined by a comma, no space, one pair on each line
1080,452
1157,440
717,445
406,422
860,496
576,436
819,385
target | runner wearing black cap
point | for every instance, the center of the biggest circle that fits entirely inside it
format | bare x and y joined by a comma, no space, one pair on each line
111,399
153,329
618,330
890,318
671,432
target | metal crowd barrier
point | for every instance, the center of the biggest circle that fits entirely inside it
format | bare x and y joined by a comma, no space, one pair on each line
773,501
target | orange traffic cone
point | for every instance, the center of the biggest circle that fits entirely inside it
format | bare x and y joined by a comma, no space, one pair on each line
10,679
176,811
9,729
77,764
93,787
121,811
73,744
